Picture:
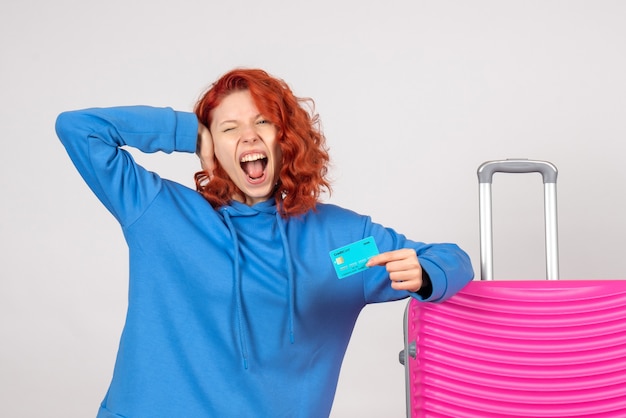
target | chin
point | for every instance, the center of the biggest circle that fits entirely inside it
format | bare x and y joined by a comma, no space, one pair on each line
256,196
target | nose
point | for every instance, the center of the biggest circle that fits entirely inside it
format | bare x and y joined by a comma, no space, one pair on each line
249,134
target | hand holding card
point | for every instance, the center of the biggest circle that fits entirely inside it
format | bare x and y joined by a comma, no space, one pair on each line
352,258
403,266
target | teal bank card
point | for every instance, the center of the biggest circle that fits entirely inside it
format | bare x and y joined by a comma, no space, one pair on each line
351,258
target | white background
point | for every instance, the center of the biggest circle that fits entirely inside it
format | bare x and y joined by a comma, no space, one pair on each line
413,97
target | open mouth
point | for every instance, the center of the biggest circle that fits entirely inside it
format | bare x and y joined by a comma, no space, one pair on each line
253,164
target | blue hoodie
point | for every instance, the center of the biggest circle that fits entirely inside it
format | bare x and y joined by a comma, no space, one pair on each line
234,312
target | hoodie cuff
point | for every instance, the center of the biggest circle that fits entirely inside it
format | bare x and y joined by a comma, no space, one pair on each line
427,286
186,132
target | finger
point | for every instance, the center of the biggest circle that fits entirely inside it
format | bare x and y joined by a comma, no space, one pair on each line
405,275
408,285
390,256
207,164
409,279
411,263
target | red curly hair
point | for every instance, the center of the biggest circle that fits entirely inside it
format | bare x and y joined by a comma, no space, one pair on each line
305,155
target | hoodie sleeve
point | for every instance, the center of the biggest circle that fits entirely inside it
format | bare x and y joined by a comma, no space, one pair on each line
94,139
448,267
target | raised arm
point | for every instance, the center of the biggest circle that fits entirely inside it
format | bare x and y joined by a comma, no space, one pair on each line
93,139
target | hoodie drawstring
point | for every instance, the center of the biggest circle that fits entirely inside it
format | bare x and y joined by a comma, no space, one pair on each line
240,311
290,276
243,344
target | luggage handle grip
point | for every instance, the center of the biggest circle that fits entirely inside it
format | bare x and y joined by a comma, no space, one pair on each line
547,169
485,176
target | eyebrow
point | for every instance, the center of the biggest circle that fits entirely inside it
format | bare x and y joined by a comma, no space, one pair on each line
260,115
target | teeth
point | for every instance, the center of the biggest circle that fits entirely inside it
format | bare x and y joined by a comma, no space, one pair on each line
252,157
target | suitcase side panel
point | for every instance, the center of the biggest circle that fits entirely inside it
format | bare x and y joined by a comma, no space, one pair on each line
520,349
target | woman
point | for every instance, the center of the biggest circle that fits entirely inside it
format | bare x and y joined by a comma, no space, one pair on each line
235,306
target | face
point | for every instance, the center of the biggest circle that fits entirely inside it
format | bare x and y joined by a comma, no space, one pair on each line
246,146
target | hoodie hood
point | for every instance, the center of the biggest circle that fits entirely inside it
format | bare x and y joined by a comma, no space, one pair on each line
238,209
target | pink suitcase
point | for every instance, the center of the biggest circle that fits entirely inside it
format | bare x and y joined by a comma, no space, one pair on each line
548,348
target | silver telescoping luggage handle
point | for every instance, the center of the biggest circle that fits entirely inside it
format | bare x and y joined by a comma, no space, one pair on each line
485,177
